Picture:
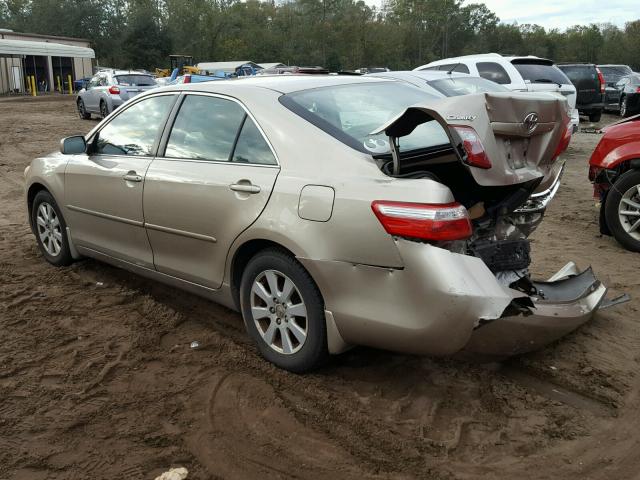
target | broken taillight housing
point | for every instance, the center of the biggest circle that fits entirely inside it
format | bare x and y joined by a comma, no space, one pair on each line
476,154
564,141
425,221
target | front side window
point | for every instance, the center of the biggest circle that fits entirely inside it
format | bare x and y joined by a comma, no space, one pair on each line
134,131
205,129
494,72
351,112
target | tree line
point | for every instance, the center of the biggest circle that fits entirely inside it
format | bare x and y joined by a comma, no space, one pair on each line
336,34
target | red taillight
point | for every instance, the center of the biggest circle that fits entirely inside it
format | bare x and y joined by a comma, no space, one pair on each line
187,79
564,141
637,89
476,155
601,78
435,222
114,90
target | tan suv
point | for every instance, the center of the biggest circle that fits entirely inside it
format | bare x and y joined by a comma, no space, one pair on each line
331,211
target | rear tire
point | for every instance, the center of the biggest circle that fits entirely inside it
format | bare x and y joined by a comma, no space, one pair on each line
283,311
595,117
50,230
82,111
624,196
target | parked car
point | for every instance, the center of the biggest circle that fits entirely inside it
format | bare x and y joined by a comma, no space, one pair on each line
518,74
629,88
614,170
612,75
590,85
272,196
109,89
81,83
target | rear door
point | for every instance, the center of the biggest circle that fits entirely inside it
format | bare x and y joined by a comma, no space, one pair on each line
213,177
585,79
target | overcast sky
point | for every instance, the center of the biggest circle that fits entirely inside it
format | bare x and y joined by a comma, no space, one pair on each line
560,13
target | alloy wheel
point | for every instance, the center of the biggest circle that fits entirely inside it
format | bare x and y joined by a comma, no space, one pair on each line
623,107
279,312
103,110
629,212
81,110
49,229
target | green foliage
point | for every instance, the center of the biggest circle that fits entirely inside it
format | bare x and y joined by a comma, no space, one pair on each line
337,34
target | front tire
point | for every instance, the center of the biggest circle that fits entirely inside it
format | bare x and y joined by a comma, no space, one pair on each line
50,230
624,108
622,210
283,311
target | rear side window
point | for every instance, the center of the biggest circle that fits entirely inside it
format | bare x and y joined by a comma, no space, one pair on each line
494,72
205,129
134,131
135,80
252,147
541,73
454,67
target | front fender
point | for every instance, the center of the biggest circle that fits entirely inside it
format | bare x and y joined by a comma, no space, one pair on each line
622,153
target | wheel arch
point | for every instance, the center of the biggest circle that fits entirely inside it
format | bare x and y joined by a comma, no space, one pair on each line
241,257
32,191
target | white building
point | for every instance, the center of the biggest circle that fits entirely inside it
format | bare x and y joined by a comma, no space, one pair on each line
49,58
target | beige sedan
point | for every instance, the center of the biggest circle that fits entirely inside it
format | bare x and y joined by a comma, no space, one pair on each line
331,211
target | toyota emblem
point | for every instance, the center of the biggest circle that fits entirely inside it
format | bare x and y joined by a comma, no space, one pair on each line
530,122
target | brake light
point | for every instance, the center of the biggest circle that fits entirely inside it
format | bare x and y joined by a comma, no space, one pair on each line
637,89
435,222
114,90
476,155
187,79
564,141
601,79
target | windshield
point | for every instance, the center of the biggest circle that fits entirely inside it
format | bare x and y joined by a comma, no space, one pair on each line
135,80
615,72
350,112
455,86
541,73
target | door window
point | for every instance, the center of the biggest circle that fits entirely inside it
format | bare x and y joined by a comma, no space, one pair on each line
205,129
134,131
494,72
252,147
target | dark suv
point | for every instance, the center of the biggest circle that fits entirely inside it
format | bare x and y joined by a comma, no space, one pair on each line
590,86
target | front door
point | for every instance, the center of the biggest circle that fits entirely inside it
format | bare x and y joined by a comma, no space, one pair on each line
212,181
103,189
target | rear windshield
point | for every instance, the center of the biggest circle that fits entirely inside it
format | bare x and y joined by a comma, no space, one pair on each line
135,80
541,73
351,112
580,72
455,86
615,72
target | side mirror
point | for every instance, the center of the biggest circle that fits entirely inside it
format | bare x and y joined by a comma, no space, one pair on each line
73,145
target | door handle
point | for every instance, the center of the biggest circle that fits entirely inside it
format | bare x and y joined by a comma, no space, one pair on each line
132,177
244,187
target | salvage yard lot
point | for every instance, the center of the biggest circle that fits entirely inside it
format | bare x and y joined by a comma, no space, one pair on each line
98,380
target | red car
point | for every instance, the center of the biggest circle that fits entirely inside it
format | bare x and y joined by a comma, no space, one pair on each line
614,170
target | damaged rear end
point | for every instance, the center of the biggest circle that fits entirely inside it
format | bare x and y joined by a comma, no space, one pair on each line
503,168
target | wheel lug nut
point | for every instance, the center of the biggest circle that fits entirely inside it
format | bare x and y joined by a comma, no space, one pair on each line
278,321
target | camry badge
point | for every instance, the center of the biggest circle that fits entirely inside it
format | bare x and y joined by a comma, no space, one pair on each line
530,122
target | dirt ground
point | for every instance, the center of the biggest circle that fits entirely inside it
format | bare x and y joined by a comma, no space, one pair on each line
98,380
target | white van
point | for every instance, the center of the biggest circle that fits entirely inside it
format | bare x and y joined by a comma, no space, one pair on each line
519,74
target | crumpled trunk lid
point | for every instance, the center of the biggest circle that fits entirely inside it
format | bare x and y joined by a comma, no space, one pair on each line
520,132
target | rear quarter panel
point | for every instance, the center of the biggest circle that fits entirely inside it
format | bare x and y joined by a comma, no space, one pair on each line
619,144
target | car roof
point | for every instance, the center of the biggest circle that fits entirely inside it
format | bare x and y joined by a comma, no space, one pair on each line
426,75
489,56
284,83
